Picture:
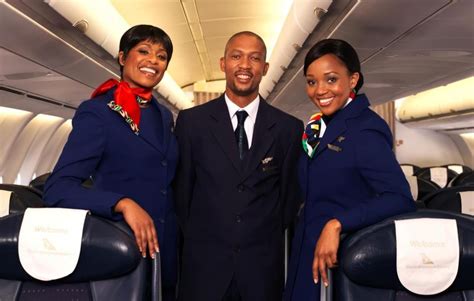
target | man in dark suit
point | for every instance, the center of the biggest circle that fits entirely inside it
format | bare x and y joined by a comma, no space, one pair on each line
236,185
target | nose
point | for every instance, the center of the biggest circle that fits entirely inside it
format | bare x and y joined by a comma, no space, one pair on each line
152,58
245,62
321,89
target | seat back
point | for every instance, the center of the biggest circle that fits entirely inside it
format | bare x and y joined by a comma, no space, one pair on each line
464,179
447,199
427,173
423,187
458,168
109,268
368,269
39,181
409,169
22,197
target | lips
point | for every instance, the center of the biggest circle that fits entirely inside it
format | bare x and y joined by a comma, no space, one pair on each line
325,101
243,77
148,70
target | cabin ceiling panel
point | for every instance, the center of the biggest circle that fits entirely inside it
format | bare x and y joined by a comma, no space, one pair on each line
193,70
159,12
27,104
375,26
26,76
225,9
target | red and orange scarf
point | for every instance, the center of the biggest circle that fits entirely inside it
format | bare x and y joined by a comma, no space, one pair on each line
126,100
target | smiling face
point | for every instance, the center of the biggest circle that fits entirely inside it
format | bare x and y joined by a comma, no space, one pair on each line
144,65
244,66
329,83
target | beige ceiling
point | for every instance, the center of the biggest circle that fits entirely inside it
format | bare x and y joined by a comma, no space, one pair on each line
199,29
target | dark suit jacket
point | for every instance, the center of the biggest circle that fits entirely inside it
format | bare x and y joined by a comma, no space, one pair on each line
353,177
122,164
234,212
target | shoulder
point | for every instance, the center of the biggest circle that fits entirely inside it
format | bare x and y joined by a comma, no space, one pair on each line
370,127
284,118
367,119
199,111
372,121
96,105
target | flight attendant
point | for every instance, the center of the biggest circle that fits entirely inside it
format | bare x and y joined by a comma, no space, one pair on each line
122,139
349,175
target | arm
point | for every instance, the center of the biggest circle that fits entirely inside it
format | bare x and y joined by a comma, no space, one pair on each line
376,163
378,166
184,180
78,161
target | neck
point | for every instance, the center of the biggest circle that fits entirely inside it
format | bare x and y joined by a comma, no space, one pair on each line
240,100
135,86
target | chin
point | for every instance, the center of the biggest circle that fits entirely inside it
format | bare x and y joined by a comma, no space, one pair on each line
148,84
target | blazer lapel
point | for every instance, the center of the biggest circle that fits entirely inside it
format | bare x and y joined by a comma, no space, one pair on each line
166,124
337,127
221,128
262,138
338,124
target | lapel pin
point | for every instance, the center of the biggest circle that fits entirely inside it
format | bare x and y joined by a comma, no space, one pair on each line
341,138
267,160
334,147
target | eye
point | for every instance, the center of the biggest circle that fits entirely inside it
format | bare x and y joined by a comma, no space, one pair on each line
162,57
255,58
143,51
332,80
235,56
310,82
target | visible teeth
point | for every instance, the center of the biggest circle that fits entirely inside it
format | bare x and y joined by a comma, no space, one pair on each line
325,101
243,76
149,70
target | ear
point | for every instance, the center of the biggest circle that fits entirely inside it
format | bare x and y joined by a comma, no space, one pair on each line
222,64
354,79
265,69
121,58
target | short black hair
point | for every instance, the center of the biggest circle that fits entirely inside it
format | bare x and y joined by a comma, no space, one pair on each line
247,33
143,32
340,48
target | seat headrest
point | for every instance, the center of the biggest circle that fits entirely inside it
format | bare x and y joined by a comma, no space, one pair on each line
107,251
26,197
369,256
446,199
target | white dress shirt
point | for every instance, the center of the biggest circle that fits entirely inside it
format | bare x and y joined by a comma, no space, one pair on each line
251,109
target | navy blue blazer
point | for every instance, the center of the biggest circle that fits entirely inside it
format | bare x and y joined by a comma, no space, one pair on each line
353,177
122,164
234,212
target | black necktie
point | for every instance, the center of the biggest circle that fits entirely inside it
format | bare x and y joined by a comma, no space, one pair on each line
240,135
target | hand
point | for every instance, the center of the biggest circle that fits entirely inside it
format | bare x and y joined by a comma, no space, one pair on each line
141,224
325,253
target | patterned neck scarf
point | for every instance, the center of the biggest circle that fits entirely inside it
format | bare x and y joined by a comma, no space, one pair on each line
311,134
126,100
316,127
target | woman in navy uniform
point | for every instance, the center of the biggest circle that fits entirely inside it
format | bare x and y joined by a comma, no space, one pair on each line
122,138
348,173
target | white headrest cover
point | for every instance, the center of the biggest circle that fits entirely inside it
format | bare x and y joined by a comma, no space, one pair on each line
439,175
467,202
49,242
407,170
5,202
427,254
